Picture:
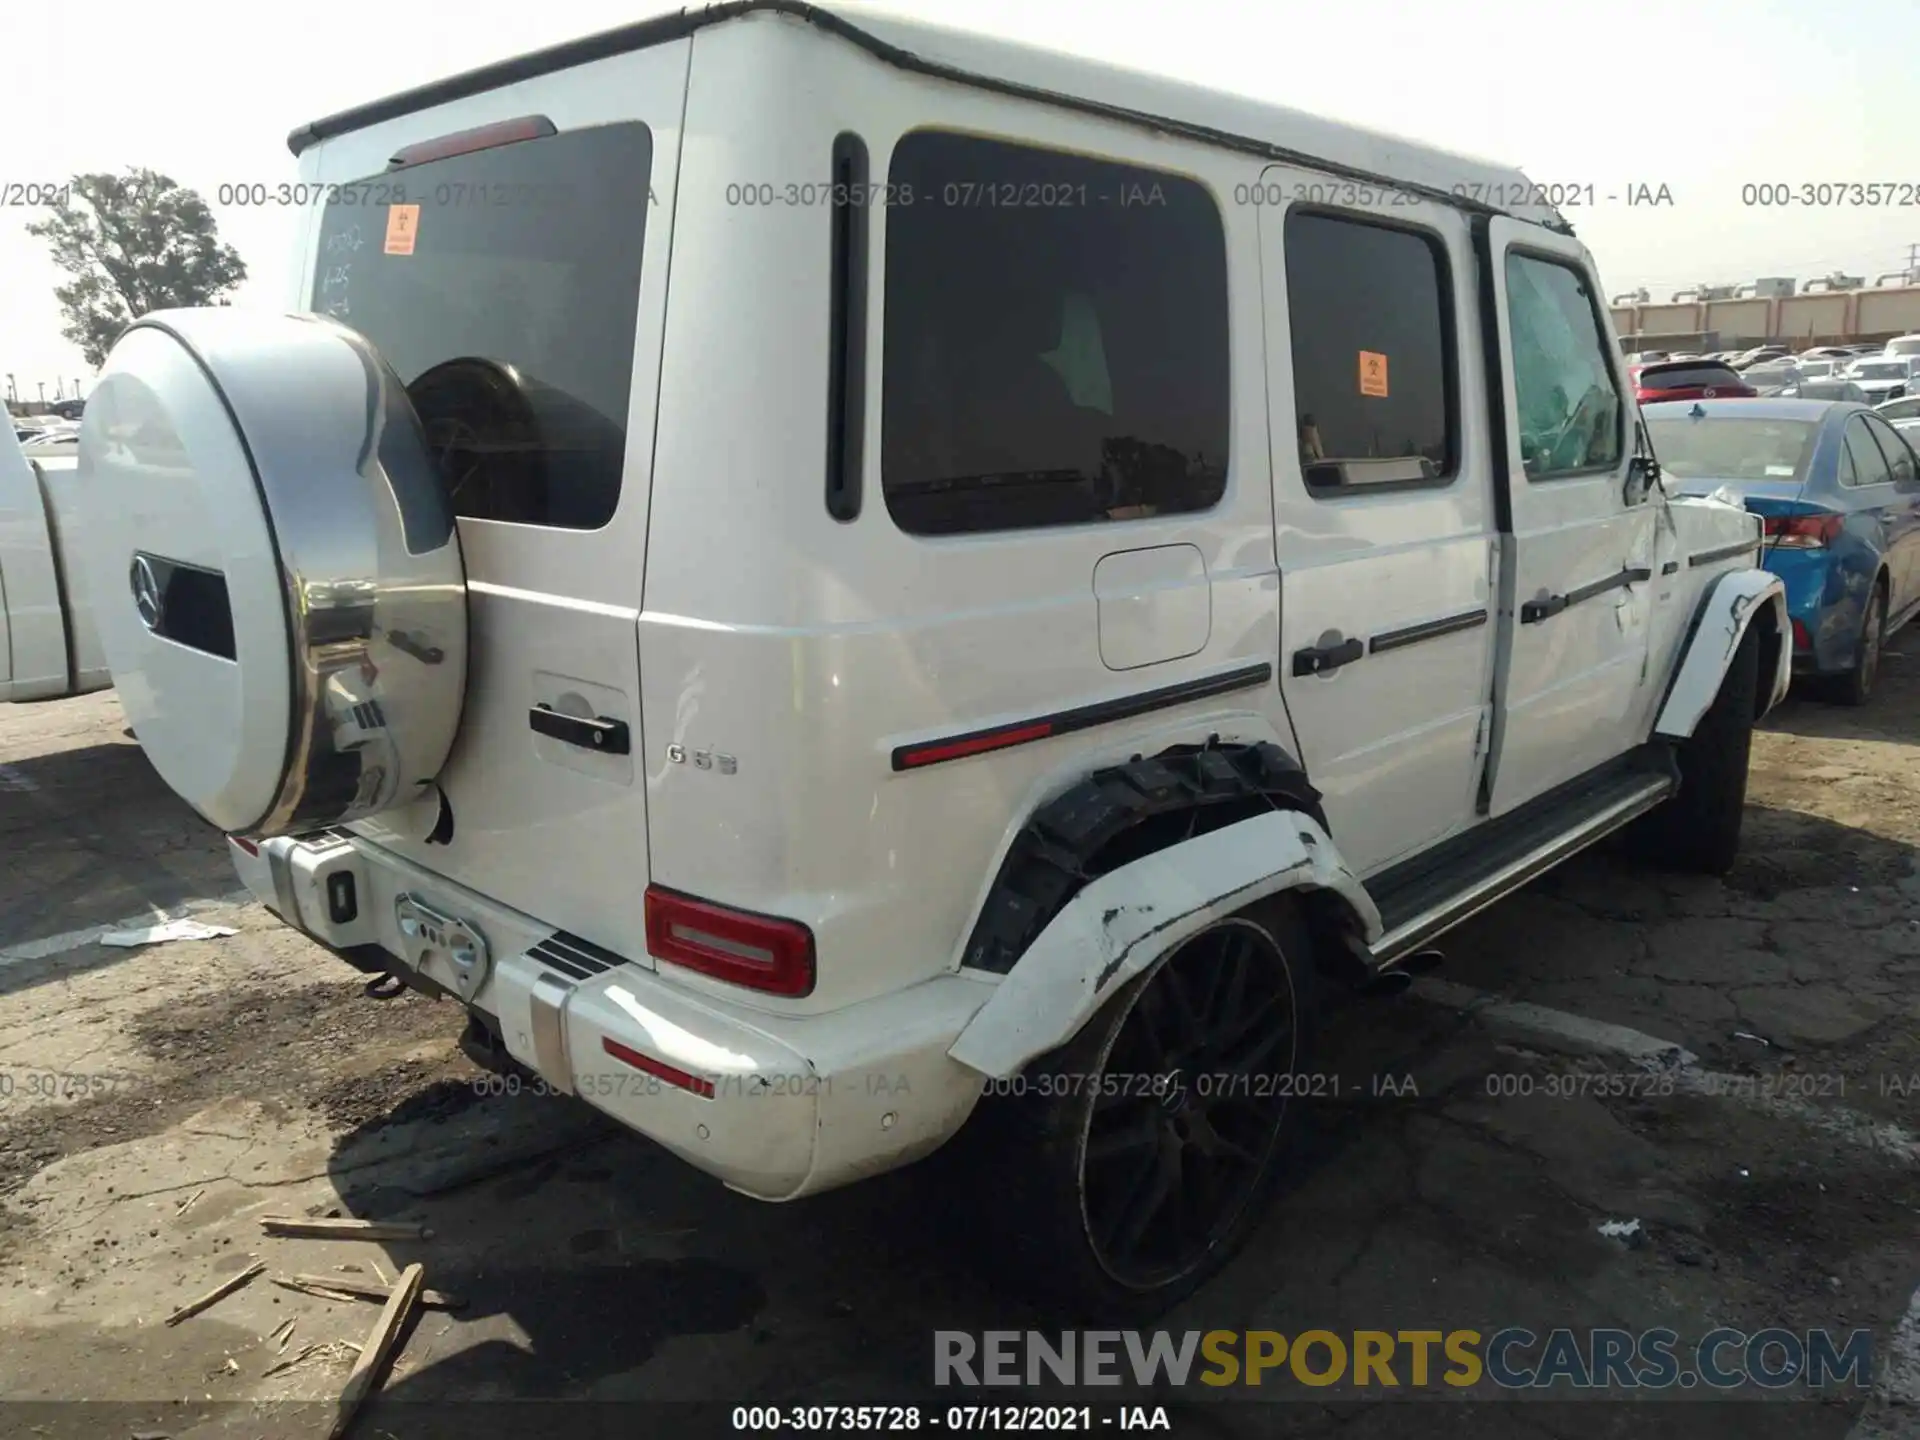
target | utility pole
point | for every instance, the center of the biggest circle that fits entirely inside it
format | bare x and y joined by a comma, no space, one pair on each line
12,394
1913,264
43,390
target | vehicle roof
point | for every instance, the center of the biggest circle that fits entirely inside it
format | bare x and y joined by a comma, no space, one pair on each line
1760,409
1028,72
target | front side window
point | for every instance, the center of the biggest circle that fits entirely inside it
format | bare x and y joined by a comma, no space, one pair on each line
503,286
1570,415
1370,309
1055,340
1899,456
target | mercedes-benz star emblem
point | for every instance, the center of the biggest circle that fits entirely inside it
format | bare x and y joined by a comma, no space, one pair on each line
146,592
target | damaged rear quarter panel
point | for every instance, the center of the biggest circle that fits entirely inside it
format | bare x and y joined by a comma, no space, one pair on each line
1121,923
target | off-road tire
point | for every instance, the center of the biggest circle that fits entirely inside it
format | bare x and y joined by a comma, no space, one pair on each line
1026,1148
1699,828
1855,685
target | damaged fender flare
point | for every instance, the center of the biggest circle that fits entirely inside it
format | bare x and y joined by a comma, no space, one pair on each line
1122,922
1732,605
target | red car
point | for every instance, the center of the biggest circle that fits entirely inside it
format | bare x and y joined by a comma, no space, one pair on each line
1688,380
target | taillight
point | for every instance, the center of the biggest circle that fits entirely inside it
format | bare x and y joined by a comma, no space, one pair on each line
757,951
1801,640
1803,532
252,847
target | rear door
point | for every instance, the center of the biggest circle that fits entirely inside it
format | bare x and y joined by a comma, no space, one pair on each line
1383,506
1901,510
507,254
1577,588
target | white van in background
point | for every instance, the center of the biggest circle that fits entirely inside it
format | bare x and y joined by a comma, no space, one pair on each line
48,647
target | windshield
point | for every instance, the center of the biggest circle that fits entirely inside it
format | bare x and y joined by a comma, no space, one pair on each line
1905,345
1815,369
1732,447
1880,370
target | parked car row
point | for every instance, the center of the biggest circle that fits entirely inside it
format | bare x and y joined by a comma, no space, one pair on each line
1836,485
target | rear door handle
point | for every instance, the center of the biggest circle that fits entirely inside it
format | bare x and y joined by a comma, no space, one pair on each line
1325,659
1534,611
609,737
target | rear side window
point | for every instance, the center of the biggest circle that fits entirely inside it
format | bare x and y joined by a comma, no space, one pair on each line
1569,412
1055,340
1869,465
1373,377
504,288
1689,377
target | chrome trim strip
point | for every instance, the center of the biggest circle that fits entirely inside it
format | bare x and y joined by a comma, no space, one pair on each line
1401,941
546,1005
286,903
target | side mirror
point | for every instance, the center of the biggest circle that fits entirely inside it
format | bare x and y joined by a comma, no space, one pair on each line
1643,478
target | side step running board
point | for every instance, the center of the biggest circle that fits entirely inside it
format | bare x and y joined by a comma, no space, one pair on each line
1423,900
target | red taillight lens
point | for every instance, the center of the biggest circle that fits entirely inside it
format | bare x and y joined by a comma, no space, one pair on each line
252,847
1803,532
757,951
1801,640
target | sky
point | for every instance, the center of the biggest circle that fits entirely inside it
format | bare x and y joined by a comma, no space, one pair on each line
1703,98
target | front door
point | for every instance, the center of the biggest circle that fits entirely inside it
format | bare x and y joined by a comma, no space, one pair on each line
1383,506
1581,566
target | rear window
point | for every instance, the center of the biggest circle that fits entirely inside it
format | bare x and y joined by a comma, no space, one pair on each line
1689,376
504,288
1732,447
1056,340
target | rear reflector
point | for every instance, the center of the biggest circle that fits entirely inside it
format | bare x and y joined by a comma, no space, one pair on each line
973,744
659,1069
481,137
1803,532
250,846
758,951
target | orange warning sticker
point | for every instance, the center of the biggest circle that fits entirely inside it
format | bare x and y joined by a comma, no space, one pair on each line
403,224
1373,366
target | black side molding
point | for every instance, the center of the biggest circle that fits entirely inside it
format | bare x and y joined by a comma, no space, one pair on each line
1534,611
1428,630
1063,722
1722,552
609,737
1672,567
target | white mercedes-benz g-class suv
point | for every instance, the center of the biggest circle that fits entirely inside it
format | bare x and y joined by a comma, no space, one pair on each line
806,567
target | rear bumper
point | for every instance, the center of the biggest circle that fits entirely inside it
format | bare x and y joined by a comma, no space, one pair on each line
1820,609
779,1106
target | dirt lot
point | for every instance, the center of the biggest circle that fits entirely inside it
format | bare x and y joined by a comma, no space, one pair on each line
154,1103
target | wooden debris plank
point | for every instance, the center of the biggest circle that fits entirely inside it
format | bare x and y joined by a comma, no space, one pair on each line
339,1285
379,1348
344,1228
219,1292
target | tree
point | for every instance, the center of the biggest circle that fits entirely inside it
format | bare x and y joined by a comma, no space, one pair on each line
133,243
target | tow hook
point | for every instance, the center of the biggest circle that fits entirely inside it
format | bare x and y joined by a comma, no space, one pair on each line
384,987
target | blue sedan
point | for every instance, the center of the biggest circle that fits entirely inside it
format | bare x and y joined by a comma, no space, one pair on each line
1838,490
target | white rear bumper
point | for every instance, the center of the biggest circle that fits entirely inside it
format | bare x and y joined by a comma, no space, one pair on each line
776,1106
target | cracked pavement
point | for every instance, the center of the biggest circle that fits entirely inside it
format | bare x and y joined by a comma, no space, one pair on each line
154,1103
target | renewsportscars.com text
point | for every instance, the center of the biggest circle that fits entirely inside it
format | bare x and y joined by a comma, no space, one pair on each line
1511,1358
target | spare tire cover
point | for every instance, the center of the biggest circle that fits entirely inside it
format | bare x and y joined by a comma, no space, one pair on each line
274,568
